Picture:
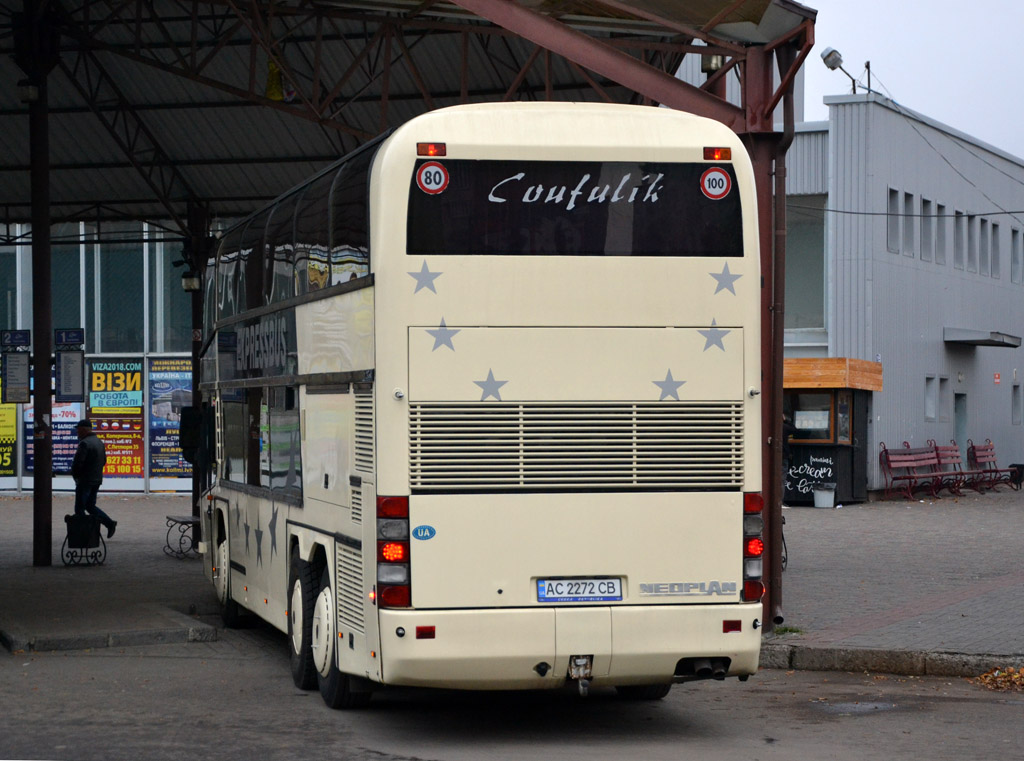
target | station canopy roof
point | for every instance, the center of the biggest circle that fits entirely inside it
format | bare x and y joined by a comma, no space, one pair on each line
154,106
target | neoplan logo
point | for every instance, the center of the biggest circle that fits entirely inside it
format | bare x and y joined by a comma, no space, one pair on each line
688,588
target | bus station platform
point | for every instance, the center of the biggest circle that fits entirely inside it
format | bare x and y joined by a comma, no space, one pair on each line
915,588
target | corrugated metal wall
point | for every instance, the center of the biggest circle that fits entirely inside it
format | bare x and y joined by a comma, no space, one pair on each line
892,290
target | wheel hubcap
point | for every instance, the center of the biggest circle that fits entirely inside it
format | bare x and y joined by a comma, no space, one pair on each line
323,631
295,613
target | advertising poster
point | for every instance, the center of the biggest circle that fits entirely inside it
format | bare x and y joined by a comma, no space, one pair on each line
65,441
170,389
115,408
8,438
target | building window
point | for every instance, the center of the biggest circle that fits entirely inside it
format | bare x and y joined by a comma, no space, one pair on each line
972,243
805,262
908,224
945,401
1015,255
8,288
892,230
927,230
931,397
959,239
983,241
940,233
995,253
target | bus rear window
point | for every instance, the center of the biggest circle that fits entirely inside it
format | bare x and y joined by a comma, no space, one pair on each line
566,208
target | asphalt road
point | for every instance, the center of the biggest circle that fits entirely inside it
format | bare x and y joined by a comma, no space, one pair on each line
233,698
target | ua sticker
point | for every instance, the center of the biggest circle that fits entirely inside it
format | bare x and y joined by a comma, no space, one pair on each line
423,532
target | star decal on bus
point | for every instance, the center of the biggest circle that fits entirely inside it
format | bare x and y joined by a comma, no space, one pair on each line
669,387
237,516
714,336
725,279
490,386
443,336
246,524
273,533
258,532
425,278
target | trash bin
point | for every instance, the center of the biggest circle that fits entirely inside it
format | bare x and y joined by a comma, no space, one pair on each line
824,495
1017,476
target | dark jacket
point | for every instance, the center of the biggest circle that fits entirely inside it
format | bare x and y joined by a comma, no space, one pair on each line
90,457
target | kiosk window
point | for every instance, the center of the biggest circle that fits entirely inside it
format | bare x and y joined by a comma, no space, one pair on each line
812,416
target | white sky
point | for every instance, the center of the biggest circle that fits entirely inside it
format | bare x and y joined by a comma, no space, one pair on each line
956,61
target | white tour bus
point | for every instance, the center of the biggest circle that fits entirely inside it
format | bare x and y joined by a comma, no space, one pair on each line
486,405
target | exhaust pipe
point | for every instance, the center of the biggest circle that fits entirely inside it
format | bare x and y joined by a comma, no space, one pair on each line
702,668
718,669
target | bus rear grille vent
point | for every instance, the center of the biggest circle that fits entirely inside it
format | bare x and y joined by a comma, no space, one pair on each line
350,587
364,433
545,446
357,505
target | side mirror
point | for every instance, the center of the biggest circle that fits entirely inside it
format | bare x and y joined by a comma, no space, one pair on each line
190,433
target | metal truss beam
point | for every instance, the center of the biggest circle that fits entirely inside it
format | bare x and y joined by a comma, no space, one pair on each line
128,131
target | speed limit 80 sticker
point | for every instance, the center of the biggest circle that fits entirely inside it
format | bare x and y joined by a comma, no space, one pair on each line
715,183
432,178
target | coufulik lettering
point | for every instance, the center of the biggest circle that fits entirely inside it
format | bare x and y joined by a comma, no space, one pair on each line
599,192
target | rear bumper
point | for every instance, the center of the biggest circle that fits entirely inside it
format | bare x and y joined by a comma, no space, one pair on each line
501,649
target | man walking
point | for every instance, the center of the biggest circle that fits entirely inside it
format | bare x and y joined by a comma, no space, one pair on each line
87,470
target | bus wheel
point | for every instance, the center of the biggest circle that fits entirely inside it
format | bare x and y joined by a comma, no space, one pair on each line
300,622
229,609
643,691
335,687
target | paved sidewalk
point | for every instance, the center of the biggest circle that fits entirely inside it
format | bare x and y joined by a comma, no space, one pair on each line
928,587
137,596
934,586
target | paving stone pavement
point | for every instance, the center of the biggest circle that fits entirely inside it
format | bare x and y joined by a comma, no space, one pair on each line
923,587
927,586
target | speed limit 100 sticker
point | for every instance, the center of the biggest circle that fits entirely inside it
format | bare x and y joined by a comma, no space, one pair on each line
432,178
715,183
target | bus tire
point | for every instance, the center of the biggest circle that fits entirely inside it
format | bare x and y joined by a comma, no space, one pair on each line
300,621
643,691
230,611
335,687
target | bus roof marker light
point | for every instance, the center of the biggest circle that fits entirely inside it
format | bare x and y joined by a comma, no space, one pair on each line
431,149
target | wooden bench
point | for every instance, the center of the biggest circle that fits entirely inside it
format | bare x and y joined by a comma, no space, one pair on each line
909,469
951,470
982,457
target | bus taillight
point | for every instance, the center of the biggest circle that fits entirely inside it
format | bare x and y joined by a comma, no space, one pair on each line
394,584
431,149
717,154
753,546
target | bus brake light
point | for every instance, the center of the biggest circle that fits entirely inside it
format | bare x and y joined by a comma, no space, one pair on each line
431,149
393,552
717,154
754,547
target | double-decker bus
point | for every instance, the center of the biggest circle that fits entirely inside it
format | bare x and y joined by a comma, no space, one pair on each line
486,404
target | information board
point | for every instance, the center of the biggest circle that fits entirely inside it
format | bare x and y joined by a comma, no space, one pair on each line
115,408
170,389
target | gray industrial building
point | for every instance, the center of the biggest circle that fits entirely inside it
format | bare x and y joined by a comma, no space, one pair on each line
904,256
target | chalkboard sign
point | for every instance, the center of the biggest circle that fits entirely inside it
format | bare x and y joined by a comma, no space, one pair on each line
808,469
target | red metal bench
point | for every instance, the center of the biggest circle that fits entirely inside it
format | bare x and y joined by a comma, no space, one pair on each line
982,457
907,470
951,470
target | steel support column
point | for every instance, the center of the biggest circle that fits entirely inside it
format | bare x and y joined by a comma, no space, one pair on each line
198,232
35,54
